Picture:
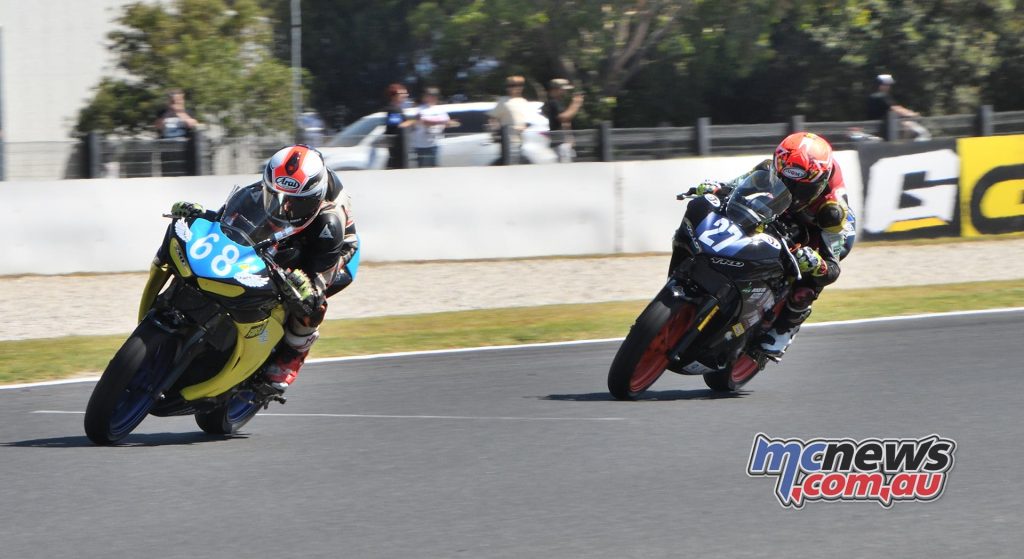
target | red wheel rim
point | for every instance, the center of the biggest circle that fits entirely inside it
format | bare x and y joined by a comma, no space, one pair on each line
655,359
744,368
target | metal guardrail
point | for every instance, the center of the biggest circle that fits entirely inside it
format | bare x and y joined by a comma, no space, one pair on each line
96,156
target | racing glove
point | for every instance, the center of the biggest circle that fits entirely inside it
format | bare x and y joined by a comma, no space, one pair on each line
810,262
186,209
303,291
708,186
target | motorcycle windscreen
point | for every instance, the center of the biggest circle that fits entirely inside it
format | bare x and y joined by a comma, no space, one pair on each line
757,200
245,218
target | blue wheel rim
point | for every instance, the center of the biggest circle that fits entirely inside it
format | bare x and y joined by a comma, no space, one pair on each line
138,396
241,406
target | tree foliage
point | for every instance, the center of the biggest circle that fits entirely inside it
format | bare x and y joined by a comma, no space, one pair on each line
737,60
640,62
352,48
217,51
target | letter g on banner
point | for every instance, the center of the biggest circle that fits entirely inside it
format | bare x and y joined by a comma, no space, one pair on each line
992,185
910,190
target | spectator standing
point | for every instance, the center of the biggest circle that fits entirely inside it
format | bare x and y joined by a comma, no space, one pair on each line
396,120
173,121
881,102
560,117
430,125
513,111
311,128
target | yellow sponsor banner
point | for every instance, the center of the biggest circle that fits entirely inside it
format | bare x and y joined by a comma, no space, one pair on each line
991,185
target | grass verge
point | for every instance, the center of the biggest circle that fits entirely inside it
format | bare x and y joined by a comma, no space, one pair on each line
54,358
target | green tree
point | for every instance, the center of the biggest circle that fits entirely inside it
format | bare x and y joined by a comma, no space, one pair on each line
354,48
741,60
601,45
218,51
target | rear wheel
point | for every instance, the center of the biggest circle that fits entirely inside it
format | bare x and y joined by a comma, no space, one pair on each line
643,355
230,416
735,377
126,391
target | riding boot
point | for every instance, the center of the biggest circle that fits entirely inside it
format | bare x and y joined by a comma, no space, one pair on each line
776,340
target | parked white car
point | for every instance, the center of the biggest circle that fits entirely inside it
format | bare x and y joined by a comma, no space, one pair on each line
468,144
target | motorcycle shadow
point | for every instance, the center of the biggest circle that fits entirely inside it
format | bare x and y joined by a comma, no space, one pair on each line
139,439
650,395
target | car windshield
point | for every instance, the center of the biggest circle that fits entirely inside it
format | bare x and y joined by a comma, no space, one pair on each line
758,199
354,133
245,221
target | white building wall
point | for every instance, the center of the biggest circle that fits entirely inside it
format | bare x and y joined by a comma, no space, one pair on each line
54,53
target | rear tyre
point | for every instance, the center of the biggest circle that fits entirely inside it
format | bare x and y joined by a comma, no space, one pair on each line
125,393
230,416
734,377
643,355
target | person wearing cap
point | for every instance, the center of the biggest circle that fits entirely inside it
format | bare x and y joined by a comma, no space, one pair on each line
430,124
881,102
513,111
560,116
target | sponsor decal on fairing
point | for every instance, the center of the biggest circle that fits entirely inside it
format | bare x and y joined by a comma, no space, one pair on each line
182,230
251,280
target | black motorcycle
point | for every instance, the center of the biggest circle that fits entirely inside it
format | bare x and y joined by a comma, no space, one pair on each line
731,285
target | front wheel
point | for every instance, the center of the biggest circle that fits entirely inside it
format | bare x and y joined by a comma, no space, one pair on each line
126,391
643,355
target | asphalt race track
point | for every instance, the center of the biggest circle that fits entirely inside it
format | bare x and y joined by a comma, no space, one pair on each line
520,453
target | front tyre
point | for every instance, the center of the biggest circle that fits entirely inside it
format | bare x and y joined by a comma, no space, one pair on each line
126,391
643,355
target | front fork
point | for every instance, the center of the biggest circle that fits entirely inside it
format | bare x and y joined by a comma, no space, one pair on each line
158,274
705,314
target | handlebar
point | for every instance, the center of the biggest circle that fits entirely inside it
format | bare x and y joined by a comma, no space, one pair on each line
692,191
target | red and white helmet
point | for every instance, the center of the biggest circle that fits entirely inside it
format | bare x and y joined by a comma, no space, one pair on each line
804,163
294,185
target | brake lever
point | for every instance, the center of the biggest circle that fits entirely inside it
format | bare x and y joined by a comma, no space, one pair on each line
792,259
284,287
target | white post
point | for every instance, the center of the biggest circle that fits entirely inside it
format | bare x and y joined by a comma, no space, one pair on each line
296,66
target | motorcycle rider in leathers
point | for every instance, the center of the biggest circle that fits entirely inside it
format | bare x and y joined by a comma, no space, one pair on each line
805,164
321,255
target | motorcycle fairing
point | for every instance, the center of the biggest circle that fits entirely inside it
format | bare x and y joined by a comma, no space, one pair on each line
253,343
213,255
718,235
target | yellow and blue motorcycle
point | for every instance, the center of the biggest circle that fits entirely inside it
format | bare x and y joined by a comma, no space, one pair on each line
201,342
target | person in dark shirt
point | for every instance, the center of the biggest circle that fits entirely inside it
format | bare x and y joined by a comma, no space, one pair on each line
560,116
881,102
395,120
173,121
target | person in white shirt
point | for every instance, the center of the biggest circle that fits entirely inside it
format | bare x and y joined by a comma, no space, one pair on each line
430,125
513,111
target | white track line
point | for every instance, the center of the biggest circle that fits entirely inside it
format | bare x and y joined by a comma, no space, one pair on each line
558,344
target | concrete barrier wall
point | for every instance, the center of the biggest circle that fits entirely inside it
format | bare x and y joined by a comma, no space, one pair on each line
113,225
